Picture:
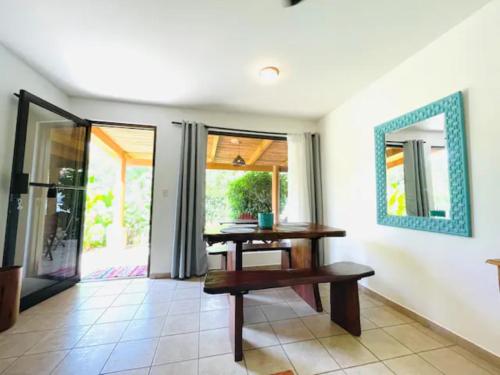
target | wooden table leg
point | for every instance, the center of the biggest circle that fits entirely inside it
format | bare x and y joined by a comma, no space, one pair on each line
236,325
235,263
305,255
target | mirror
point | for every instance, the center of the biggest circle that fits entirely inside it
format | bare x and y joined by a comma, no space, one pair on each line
417,170
422,178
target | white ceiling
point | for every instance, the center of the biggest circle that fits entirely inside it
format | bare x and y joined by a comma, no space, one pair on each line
207,53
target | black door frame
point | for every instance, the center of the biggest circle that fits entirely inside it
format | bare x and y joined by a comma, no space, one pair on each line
153,128
19,186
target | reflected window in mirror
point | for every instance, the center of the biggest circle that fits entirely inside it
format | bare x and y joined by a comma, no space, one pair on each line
417,170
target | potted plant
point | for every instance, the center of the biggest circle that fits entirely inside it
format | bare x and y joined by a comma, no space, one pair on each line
10,296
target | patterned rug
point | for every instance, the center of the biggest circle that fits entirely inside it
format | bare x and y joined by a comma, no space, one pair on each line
118,273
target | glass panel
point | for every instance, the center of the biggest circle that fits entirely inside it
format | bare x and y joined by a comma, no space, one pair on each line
49,224
417,170
54,149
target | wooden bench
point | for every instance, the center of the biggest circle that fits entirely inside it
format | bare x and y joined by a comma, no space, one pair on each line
284,246
343,278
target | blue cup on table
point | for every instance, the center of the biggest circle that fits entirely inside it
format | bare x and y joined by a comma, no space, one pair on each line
266,220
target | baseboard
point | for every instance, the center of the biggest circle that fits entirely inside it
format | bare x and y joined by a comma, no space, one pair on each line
449,335
160,275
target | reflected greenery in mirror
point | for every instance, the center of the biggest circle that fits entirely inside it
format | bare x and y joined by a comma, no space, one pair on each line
422,179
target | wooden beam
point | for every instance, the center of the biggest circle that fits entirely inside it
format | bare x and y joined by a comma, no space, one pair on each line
264,145
140,162
230,167
123,181
395,160
108,141
253,168
275,195
213,150
139,155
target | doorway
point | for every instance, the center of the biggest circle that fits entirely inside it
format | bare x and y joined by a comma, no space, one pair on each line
117,227
48,196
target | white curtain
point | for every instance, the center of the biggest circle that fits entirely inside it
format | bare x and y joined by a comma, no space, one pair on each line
299,189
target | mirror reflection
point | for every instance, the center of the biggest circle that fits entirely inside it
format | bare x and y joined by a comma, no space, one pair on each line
417,170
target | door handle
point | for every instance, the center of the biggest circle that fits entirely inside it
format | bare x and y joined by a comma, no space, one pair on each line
41,184
56,186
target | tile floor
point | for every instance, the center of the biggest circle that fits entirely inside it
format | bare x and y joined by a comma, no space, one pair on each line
141,326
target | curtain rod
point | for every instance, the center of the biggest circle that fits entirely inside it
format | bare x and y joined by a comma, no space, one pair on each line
236,130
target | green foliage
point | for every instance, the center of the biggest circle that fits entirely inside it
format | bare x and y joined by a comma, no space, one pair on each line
98,216
138,204
103,172
283,190
396,203
69,202
251,193
216,203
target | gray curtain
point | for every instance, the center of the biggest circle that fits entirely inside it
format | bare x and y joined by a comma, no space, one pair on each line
313,167
417,200
189,252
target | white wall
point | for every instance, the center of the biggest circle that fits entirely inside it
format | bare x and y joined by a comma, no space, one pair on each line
16,75
167,159
442,277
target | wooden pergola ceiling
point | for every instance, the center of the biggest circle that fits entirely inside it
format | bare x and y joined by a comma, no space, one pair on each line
134,145
394,156
259,154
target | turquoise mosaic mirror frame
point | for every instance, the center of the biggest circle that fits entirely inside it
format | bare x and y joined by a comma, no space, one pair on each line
459,223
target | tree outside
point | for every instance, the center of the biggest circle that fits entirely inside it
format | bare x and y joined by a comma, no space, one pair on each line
104,173
138,204
230,194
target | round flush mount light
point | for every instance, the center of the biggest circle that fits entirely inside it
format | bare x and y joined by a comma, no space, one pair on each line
269,73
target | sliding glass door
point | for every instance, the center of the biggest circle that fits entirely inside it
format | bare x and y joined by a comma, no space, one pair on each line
47,195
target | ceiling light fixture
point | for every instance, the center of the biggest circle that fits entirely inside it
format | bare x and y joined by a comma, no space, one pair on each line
238,161
269,73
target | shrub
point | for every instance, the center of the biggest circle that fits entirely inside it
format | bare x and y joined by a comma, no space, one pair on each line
251,194
138,204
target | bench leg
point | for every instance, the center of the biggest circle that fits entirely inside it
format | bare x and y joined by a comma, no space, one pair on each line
236,325
344,301
286,260
223,262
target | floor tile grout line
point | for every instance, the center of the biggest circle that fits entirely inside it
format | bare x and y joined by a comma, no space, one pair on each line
411,350
426,361
199,337
289,359
259,306
395,339
282,348
114,347
330,354
314,339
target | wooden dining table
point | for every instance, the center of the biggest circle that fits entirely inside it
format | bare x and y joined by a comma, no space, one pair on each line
304,254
